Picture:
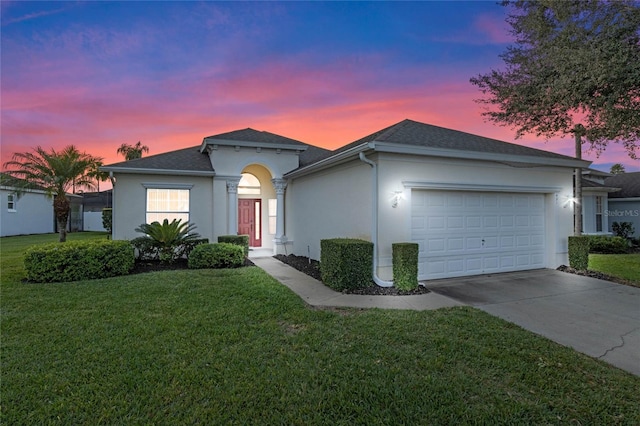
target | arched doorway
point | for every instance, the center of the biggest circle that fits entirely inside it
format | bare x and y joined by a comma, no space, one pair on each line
250,209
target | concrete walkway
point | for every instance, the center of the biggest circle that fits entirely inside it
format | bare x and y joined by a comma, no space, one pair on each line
317,294
598,318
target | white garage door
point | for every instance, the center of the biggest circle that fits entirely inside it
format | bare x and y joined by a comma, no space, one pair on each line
471,233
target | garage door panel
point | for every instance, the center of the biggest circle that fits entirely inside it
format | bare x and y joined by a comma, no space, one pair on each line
469,233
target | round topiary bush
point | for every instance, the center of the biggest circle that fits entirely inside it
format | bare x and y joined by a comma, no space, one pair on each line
216,256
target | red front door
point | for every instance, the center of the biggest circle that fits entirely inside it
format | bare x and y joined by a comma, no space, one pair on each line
249,214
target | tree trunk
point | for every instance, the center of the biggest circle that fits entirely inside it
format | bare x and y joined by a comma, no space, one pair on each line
61,209
577,205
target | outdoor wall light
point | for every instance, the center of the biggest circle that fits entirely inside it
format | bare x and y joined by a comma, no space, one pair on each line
395,200
569,201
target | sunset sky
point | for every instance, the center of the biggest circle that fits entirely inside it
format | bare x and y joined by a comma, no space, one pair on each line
99,74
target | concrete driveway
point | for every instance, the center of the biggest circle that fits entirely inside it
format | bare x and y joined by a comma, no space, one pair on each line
596,317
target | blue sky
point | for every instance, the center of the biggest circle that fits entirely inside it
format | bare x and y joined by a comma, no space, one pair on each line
98,74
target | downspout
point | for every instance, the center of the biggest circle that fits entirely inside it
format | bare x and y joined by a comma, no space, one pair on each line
374,225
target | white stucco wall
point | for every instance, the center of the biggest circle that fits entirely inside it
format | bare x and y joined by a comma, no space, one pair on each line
92,221
338,202
227,161
129,202
329,204
395,223
33,214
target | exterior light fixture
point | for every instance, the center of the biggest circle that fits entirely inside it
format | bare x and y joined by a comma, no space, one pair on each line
395,200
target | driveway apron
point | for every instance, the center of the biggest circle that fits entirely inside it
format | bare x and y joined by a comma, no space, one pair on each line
598,318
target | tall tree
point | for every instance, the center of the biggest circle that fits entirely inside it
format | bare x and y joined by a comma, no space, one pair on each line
56,173
616,169
574,70
131,152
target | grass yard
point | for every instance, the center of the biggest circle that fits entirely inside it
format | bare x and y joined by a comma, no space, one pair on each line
236,347
625,266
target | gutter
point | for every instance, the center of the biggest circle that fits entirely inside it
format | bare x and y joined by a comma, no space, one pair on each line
374,225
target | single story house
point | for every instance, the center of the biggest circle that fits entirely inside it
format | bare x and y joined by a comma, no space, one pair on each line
474,205
595,202
624,205
24,212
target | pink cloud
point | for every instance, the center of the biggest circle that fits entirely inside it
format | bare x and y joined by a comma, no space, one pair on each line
495,28
327,106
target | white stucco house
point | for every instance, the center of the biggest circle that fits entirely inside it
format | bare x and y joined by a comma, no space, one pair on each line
24,212
474,205
624,205
595,202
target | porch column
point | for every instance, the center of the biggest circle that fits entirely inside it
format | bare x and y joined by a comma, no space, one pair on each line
279,185
232,191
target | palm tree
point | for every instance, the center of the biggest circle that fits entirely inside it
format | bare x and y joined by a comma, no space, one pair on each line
131,152
54,172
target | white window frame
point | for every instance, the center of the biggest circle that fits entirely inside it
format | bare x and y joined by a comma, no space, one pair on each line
11,202
153,214
272,214
599,216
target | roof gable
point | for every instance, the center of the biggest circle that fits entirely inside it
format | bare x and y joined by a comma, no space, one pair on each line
255,136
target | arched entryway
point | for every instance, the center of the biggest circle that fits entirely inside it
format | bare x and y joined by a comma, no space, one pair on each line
250,209
257,206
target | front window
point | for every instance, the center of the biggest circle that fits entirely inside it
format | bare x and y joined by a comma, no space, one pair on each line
598,214
167,204
11,202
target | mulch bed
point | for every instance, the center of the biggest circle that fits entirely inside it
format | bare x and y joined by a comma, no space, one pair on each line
312,268
142,266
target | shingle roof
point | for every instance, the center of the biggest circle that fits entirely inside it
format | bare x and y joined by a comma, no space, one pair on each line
629,182
409,132
187,159
312,155
251,135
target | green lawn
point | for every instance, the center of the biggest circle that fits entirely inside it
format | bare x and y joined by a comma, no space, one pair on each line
236,347
626,266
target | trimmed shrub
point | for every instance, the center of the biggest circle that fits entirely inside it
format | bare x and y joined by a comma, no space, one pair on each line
346,263
107,220
579,252
607,245
217,255
78,260
623,229
405,265
240,240
187,247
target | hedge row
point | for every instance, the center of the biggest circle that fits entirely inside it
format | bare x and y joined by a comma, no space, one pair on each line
607,244
240,240
78,260
218,255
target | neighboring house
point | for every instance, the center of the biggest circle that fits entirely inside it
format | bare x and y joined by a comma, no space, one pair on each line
624,205
92,205
25,211
595,202
474,205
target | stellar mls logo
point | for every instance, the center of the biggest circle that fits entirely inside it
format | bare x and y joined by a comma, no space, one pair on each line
620,213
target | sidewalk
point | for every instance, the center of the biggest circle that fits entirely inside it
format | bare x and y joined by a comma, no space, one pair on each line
315,293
